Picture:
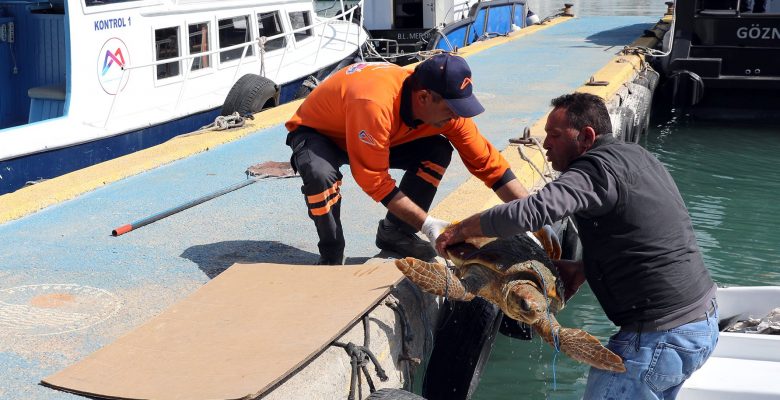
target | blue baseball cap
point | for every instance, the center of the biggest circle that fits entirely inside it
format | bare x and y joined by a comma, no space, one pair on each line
450,77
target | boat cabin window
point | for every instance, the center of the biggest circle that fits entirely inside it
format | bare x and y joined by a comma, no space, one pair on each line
713,5
407,14
90,3
760,6
234,31
298,20
270,24
199,43
166,45
745,6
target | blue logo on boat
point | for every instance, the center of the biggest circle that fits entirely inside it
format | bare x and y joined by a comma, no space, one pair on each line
112,60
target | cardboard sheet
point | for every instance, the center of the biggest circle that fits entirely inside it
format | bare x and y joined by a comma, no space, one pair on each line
236,336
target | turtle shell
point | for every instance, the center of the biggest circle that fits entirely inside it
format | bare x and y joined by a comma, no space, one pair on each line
508,257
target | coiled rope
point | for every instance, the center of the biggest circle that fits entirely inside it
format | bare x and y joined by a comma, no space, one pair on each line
359,359
224,122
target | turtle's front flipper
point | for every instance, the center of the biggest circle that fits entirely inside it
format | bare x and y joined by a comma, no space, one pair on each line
579,345
433,278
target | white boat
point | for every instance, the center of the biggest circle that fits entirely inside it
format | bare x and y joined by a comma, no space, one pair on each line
743,365
400,28
84,81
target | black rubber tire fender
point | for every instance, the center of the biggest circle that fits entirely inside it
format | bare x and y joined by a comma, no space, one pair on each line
250,94
461,349
644,100
393,394
626,132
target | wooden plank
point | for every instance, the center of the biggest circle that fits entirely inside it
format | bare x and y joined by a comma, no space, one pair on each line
235,337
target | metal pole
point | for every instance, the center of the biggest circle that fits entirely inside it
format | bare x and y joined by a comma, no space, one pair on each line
156,217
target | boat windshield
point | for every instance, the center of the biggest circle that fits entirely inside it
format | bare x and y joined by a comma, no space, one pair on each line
744,6
91,3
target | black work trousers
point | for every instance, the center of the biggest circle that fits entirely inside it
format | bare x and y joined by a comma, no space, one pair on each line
318,159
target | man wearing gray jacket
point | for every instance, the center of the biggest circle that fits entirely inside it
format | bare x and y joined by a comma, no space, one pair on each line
640,255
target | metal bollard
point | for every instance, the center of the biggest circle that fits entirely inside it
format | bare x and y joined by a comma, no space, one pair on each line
567,12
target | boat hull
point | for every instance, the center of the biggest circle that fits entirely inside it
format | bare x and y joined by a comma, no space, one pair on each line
15,173
743,365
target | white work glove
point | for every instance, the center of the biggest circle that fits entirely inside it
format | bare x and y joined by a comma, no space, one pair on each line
549,241
432,228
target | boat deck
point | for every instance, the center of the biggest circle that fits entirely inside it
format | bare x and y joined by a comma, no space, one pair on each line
67,248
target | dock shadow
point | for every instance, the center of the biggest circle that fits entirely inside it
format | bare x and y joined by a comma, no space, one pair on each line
619,36
214,258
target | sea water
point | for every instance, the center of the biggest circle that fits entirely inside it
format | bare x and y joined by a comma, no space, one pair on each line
729,178
728,175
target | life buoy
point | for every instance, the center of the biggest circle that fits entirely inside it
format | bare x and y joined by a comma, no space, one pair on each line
250,94
462,346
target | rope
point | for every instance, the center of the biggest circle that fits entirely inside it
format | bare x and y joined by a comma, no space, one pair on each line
224,122
428,340
551,17
261,41
446,281
359,359
311,82
556,339
451,308
528,140
373,53
653,52
406,338
490,35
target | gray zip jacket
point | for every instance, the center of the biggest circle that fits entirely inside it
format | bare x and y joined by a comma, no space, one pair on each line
639,249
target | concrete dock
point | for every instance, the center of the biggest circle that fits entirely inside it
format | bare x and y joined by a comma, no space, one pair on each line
66,248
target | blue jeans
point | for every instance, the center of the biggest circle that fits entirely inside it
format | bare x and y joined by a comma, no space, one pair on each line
657,363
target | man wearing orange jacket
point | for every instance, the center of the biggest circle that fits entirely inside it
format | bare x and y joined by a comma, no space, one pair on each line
377,116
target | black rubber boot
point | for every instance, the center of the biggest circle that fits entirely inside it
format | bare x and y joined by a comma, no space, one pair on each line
390,237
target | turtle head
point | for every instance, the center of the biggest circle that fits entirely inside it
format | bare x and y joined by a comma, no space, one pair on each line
523,301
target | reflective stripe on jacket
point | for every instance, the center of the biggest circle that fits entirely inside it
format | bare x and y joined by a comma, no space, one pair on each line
358,107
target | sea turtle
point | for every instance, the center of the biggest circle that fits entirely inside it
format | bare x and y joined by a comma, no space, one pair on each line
518,276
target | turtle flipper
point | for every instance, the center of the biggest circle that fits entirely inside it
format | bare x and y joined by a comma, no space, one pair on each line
433,278
580,345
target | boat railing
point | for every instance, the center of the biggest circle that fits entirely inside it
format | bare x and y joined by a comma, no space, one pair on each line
391,48
458,7
346,16
323,11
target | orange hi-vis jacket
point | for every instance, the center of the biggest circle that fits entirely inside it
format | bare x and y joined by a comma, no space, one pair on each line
358,107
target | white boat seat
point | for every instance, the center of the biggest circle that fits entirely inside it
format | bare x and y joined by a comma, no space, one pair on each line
46,102
51,92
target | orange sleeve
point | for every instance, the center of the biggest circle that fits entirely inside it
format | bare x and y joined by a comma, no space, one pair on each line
479,156
368,146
